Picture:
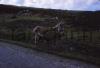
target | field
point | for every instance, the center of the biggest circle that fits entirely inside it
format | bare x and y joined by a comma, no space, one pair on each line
75,41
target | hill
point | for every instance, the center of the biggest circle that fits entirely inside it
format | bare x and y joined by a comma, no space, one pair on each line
81,29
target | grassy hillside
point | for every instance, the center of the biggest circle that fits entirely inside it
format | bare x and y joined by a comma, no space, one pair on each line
81,34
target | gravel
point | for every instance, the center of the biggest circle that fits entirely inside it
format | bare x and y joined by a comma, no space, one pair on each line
13,56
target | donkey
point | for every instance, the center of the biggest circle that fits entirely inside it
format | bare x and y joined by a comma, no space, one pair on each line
48,33
40,33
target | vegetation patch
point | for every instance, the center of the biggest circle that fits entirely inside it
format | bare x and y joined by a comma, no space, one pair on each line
33,18
76,43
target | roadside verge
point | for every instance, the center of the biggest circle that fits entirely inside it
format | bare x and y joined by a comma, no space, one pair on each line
77,56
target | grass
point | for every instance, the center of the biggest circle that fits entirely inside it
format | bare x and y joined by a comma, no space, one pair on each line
33,18
76,35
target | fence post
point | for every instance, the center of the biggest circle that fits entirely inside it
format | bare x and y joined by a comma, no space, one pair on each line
71,36
91,36
12,35
26,34
84,36
78,36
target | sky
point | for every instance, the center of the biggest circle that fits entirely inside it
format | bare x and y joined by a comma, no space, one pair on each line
84,5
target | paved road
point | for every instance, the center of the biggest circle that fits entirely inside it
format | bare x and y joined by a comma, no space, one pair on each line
12,56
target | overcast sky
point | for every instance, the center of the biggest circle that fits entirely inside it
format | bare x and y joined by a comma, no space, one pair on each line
90,5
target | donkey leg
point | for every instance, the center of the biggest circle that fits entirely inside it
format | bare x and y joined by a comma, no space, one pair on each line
36,39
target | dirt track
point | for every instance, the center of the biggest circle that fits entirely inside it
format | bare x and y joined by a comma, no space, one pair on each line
12,56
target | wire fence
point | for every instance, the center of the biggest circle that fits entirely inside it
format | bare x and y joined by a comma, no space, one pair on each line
27,35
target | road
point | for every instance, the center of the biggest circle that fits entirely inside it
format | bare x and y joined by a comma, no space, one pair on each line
12,56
